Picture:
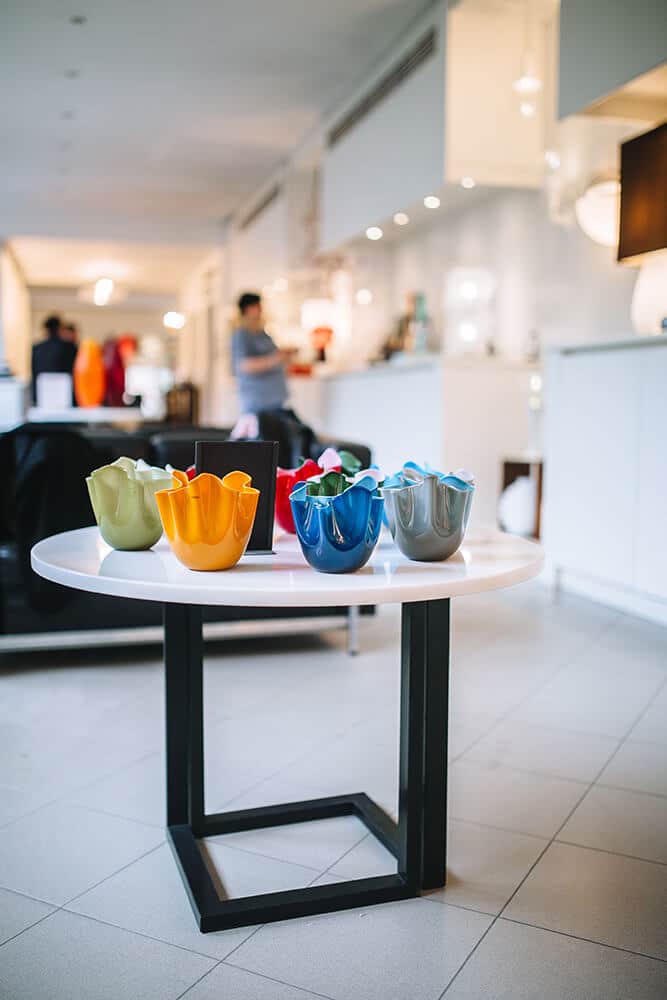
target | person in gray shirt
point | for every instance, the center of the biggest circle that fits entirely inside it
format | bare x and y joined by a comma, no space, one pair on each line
258,364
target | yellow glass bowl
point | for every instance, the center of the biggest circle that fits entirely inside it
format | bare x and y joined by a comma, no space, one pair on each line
208,520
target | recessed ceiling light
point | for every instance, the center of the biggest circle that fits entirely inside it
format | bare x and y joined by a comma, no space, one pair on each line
173,320
467,183
432,201
72,74
552,159
364,296
103,291
527,84
401,219
374,233
527,109
78,19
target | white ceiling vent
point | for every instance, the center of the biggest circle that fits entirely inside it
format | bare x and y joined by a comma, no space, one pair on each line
422,50
260,206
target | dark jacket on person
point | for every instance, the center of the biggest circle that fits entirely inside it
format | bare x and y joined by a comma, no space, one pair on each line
52,355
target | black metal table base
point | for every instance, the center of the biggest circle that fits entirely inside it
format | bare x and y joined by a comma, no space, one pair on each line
418,840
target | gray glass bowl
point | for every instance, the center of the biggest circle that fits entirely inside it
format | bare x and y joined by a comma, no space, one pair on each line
428,518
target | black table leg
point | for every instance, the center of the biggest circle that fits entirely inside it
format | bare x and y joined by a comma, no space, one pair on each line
424,737
417,840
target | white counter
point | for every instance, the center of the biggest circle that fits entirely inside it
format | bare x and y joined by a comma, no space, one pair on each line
86,415
453,412
606,473
396,409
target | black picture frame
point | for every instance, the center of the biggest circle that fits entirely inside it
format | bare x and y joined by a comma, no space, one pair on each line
260,460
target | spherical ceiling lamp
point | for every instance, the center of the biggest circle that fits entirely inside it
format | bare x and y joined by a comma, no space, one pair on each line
597,211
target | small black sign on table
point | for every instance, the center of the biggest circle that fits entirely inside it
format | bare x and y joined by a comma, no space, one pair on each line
259,459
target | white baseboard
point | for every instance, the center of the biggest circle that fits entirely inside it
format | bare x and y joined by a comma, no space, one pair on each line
632,602
154,633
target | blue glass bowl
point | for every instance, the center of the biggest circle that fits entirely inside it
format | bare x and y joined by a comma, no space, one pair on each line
338,533
427,511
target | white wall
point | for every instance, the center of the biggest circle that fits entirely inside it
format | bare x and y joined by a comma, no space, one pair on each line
549,277
15,341
606,43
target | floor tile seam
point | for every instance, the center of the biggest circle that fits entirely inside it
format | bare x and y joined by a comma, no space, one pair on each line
116,771
113,815
656,694
277,774
510,711
455,906
539,773
254,854
62,799
527,875
502,829
554,838
117,871
581,937
198,980
615,854
307,992
27,895
45,916
633,791
329,869
65,908
469,956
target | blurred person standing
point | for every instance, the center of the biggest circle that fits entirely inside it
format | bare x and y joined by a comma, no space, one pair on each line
259,367
55,354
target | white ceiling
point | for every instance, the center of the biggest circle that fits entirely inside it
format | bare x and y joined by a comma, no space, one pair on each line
175,112
153,268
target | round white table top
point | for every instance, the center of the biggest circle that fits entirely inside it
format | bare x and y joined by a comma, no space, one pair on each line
486,561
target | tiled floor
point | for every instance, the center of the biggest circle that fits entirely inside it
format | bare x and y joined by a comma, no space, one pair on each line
558,817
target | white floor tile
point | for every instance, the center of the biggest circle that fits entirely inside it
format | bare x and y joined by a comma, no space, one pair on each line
60,851
560,753
615,820
639,767
515,962
602,897
466,728
228,983
514,800
134,792
367,859
149,897
485,866
315,845
239,873
594,698
390,952
653,724
71,957
18,912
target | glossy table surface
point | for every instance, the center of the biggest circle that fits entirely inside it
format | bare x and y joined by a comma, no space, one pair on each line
486,561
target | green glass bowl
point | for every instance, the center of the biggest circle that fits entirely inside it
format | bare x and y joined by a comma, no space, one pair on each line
123,499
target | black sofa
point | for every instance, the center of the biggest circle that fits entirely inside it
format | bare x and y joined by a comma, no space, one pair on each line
44,493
